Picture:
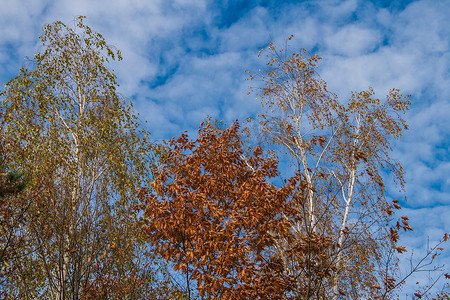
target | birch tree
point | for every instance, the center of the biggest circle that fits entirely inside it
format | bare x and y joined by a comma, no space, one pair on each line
67,114
341,150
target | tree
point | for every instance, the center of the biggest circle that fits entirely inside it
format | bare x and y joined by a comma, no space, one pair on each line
73,126
11,213
342,152
16,204
214,214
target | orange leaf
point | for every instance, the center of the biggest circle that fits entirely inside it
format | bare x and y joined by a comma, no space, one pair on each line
401,249
376,286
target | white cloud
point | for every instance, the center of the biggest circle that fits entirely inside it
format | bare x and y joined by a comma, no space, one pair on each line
333,10
353,40
422,26
250,32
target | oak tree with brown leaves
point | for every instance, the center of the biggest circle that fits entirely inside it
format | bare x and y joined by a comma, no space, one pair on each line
213,212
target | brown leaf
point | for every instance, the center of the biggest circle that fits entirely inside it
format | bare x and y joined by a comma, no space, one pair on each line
401,249
376,286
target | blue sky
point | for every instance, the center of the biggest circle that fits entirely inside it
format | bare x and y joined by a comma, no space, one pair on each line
185,59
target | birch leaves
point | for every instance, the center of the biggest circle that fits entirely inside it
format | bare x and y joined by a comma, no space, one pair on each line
76,130
342,151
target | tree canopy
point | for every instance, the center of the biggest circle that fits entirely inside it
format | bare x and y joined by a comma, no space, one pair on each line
72,126
90,208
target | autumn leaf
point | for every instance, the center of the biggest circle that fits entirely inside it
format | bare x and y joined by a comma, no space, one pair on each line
401,249
376,286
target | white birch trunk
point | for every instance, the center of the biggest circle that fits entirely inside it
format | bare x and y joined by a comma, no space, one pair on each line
60,291
348,201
